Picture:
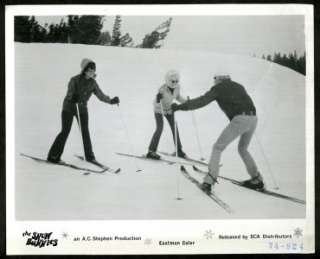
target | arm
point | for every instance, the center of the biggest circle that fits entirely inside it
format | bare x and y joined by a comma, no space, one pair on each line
71,90
180,98
200,101
100,95
159,95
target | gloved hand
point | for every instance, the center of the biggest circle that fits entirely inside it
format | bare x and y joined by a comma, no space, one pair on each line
115,100
75,98
174,107
159,97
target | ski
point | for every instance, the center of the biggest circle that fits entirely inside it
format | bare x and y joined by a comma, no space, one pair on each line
186,158
102,166
263,191
161,160
212,195
63,164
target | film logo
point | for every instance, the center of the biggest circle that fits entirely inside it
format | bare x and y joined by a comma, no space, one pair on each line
40,240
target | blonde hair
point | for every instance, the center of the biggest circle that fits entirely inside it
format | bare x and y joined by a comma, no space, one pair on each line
170,74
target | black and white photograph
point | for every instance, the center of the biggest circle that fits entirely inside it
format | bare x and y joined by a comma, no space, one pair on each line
141,117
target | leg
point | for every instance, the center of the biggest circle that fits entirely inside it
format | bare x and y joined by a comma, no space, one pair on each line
57,147
157,134
243,149
84,118
170,119
235,128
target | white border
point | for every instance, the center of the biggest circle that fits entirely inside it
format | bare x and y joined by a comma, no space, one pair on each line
176,229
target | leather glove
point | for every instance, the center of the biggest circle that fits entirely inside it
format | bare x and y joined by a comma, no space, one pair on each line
174,107
115,100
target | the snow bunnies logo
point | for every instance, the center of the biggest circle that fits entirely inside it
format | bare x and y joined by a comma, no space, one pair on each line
40,239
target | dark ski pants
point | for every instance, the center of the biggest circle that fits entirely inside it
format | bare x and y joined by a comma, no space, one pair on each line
57,147
159,128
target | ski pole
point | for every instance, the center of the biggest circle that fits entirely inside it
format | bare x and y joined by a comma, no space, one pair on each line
176,143
176,149
276,186
129,139
80,128
197,133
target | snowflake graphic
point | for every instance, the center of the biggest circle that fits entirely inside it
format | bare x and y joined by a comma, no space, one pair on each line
208,234
297,232
148,241
65,235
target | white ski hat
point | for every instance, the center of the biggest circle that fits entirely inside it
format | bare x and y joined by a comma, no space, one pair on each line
84,63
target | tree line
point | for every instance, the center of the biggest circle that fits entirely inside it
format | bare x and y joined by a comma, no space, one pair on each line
292,60
85,29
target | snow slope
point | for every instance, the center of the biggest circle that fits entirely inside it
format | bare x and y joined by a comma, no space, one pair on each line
47,192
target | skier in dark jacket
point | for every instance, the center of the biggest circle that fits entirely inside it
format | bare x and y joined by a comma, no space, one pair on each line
234,101
80,89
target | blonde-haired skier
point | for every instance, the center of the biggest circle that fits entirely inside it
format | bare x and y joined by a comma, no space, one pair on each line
167,93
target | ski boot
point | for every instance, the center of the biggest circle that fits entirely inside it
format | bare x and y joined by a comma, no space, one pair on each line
91,160
255,183
54,160
181,154
206,186
153,155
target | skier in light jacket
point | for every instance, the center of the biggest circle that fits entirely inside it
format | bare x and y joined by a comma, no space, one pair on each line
167,93
80,89
235,102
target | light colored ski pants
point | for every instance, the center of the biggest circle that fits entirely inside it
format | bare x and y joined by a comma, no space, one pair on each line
243,126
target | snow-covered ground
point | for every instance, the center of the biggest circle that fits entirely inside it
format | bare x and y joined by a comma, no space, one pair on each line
48,192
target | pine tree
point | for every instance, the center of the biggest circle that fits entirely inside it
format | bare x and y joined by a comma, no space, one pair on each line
27,29
90,27
150,40
36,31
64,32
156,37
22,28
126,41
73,25
277,58
163,30
50,33
116,33
290,60
301,64
104,38
84,29
285,61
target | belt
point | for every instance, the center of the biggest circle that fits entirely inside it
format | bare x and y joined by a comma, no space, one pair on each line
249,113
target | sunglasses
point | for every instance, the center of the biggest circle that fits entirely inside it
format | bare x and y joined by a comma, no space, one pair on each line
174,81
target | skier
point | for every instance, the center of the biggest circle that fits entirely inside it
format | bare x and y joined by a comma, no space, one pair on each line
80,89
234,101
162,107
